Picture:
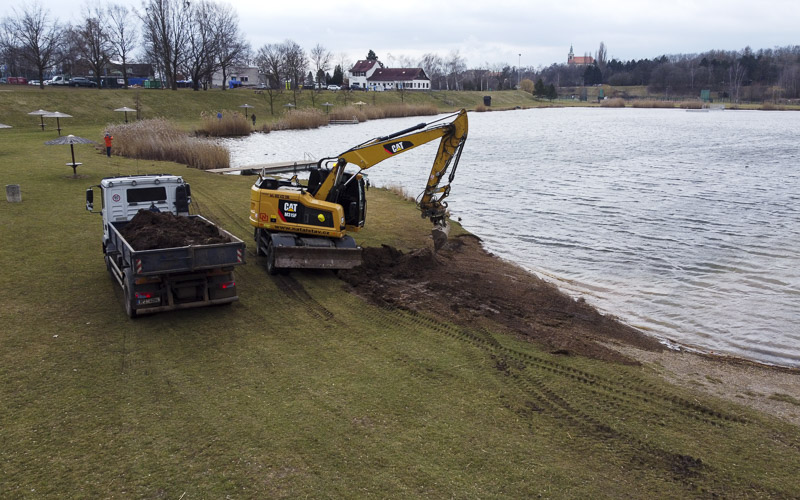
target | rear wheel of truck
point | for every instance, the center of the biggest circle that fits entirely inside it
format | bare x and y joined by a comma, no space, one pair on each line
129,309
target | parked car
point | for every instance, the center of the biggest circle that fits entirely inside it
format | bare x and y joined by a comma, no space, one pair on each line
33,82
334,87
58,80
80,81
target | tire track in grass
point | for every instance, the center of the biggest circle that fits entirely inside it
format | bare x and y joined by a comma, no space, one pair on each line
535,377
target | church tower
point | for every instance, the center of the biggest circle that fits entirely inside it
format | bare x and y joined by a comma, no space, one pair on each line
571,55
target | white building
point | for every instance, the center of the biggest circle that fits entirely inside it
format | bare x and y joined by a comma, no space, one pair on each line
372,75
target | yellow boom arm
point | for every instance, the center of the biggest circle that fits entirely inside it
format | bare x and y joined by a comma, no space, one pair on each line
366,155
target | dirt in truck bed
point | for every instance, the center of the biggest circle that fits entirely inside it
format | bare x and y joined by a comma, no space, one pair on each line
464,284
151,230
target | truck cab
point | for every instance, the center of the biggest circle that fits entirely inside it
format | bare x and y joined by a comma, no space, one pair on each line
121,198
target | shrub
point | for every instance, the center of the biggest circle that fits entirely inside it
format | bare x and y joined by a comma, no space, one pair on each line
160,140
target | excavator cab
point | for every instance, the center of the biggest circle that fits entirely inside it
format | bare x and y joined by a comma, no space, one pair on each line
352,198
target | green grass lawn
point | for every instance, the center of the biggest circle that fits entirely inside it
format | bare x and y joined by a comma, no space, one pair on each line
302,388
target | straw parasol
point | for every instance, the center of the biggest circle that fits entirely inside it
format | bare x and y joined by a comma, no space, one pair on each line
40,113
71,140
125,109
246,107
57,115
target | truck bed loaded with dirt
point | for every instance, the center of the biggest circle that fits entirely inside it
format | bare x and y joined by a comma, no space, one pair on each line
163,257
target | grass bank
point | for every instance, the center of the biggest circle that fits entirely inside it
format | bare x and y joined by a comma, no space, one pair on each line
303,389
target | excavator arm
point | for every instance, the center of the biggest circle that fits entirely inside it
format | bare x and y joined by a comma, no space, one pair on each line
364,156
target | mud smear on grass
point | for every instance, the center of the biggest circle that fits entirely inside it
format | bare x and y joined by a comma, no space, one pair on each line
464,284
149,230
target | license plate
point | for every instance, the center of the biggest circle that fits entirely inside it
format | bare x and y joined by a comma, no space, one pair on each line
154,300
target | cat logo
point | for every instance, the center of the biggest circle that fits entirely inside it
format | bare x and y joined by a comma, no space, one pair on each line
290,207
397,147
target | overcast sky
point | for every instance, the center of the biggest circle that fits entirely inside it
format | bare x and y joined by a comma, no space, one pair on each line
497,32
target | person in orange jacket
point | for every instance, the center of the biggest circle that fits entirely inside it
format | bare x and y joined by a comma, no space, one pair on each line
108,140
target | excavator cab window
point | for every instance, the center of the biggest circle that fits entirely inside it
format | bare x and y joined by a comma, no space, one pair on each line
316,177
354,201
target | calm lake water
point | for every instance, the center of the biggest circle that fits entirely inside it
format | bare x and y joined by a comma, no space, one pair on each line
683,224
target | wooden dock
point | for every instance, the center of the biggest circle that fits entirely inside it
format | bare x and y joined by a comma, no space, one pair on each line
268,168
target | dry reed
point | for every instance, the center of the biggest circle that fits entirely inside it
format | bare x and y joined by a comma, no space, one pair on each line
160,140
691,105
231,124
348,113
652,103
617,102
769,106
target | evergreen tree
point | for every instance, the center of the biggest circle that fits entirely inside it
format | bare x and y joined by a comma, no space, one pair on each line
371,56
551,92
338,75
538,88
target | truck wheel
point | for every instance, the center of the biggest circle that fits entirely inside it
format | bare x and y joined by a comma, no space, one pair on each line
129,310
271,269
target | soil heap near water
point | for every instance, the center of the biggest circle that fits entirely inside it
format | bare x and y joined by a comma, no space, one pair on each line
150,230
466,285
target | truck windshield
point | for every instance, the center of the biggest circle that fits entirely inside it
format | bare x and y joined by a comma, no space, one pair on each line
147,194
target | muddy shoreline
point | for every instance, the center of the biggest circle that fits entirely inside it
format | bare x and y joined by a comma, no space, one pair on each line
465,284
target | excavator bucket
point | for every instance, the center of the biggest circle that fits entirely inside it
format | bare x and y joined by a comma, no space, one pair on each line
440,234
306,257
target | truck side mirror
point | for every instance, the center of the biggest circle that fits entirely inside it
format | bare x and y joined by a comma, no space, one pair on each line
89,199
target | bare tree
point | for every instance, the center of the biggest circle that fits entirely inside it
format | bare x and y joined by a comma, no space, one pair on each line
35,36
602,55
736,74
433,67
321,60
295,63
454,66
166,33
269,61
231,47
92,41
201,50
122,35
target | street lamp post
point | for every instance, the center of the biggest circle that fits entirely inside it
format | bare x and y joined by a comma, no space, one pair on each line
519,68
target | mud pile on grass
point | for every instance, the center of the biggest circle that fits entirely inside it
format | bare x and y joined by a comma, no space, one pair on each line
464,284
150,230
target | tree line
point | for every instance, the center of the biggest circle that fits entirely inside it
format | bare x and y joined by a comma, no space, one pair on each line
193,40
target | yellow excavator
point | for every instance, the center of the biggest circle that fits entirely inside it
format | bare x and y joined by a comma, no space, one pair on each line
300,226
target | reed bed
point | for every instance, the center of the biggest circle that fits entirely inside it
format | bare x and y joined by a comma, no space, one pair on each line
652,103
298,119
616,102
231,124
348,113
691,105
769,106
400,111
160,140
